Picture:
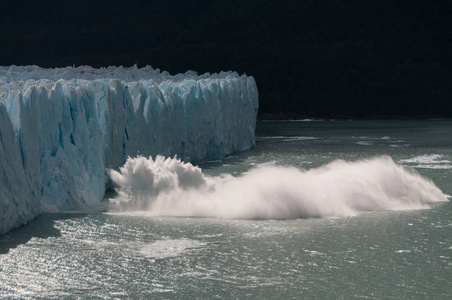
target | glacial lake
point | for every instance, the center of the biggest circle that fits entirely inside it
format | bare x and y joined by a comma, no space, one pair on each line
393,253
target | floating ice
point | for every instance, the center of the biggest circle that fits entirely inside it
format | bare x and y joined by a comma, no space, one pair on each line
61,128
169,187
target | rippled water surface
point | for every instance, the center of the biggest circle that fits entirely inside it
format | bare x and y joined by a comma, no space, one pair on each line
372,255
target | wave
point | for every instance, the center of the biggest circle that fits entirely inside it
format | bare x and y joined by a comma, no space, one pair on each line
170,187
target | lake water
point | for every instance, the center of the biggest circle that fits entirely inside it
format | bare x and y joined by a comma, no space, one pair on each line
347,248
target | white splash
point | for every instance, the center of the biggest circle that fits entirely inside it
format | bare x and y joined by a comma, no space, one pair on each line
169,187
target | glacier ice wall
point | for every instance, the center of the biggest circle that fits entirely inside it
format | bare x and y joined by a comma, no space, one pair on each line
60,129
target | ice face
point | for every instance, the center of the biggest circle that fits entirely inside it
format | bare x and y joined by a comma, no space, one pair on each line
60,129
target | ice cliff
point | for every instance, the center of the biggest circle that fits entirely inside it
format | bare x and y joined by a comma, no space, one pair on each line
60,129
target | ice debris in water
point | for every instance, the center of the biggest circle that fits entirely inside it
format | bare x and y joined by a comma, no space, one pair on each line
61,128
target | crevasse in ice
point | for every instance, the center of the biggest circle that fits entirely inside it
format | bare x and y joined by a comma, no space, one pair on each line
61,128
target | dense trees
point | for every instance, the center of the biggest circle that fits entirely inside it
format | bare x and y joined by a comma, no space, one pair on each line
326,58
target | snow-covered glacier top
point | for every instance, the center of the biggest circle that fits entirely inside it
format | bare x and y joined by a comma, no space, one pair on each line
60,129
126,74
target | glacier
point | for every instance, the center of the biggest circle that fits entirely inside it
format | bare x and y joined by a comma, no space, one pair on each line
61,129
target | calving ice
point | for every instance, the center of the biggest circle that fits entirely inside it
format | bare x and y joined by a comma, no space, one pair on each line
170,187
61,129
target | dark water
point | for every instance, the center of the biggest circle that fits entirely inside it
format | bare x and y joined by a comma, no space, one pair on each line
373,255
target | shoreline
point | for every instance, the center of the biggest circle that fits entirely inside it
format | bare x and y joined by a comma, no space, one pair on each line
300,117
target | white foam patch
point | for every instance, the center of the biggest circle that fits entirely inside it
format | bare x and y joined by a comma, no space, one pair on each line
300,138
313,252
169,187
365,143
426,159
291,138
403,251
435,167
432,161
306,120
170,248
